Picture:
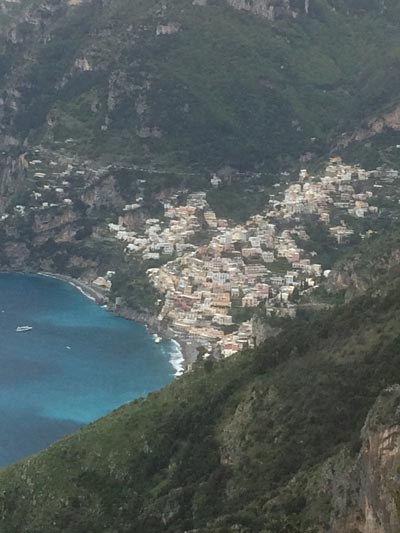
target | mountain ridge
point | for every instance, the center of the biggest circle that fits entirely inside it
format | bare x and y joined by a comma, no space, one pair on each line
299,435
185,106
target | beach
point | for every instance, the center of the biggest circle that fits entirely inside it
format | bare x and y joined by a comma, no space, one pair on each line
182,356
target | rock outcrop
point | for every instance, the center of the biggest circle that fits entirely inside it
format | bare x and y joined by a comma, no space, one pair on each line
364,493
374,126
355,275
12,176
262,330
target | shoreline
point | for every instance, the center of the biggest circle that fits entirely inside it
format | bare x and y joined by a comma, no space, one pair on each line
181,359
189,355
84,288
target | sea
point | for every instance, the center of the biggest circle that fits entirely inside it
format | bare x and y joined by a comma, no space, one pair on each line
78,363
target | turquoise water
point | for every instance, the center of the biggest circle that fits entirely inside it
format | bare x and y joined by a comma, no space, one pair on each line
78,363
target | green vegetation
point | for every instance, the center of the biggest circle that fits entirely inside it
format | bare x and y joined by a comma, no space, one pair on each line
323,244
323,296
132,284
374,260
231,445
375,152
279,266
241,314
240,444
228,88
235,203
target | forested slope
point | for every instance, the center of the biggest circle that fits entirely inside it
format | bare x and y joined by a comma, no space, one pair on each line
269,440
203,84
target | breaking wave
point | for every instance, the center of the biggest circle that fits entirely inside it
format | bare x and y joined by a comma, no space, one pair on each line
176,358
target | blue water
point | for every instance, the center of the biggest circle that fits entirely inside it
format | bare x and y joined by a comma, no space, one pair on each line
77,364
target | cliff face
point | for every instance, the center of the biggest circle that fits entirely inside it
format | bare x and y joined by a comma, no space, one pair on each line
262,330
379,465
103,194
374,259
25,26
59,236
365,493
389,120
362,493
12,178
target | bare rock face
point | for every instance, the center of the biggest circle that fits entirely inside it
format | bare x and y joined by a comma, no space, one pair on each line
103,194
379,464
365,493
347,279
269,9
262,330
391,119
12,175
355,276
61,226
375,125
134,220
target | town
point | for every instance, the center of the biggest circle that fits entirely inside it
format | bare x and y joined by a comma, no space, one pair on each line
210,290
212,274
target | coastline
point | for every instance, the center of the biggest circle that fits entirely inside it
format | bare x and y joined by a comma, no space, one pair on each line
188,353
84,288
182,357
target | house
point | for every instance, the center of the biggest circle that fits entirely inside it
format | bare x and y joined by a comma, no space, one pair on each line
250,300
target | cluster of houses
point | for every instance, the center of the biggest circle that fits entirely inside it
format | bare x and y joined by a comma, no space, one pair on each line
52,183
170,237
342,190
205,290
208,288
212,273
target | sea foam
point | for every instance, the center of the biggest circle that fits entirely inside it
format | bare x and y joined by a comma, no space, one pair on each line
176,358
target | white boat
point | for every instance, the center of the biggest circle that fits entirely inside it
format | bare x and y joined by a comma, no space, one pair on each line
23,328
157,339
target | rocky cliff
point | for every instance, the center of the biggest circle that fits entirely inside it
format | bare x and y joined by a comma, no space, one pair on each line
376,258
377,467
363,492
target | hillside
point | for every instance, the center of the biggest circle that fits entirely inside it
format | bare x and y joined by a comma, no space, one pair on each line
202,84
113,117
274,440
374,260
